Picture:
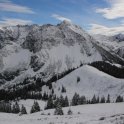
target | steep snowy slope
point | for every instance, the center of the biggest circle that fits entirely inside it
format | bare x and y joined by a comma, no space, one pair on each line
92,81
113,43
107,41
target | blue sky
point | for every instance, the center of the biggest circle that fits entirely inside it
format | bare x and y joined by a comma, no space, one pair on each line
92,15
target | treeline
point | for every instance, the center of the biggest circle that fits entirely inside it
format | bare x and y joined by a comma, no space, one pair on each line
24,93
57,103
108,68
7,107
14,108
54,102
78,100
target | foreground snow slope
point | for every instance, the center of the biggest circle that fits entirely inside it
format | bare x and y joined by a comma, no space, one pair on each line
112,113
92,81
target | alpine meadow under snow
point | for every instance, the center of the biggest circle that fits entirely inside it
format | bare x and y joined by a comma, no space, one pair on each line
110,113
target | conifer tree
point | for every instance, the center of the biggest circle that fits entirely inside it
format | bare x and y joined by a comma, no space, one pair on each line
82,100
63,89
54,97
62,101
45,96
97,100
108,99
88,102
52,91
69,112
32,109
66,104
35,107
103,100
5,107
58,110
9,109
50,104
56,102
119,99
23,110
75,99
16,108
78,79
94,101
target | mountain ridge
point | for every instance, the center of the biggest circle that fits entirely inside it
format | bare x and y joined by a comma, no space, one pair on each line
41,52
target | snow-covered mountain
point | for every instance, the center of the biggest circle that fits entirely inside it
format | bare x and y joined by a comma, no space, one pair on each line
29,50
43,51
91,81
113,43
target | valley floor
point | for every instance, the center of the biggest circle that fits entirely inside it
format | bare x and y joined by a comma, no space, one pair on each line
112,113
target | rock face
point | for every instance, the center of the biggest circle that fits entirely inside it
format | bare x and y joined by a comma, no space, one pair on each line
45,50
120,51
119,37
113,43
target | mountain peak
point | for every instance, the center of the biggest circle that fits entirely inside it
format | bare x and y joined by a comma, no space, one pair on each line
65,23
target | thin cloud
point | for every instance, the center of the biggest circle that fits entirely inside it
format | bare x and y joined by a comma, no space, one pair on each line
5,1
100,29
13,22
61,18
116,9
11,7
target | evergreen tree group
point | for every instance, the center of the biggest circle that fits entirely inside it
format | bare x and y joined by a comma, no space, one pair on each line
77,100
58,110
7,107
109,68
57,103
35,107
52,103
119,99
16,108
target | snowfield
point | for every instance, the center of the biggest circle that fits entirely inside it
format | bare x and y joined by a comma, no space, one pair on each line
111,113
